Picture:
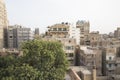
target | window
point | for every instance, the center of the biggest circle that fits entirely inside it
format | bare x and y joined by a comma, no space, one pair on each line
110,65
116,65
10,30
110,58
59,40
69,47
64,29
69,41
10,36
92,55
54,29
72,47
70,54
59,29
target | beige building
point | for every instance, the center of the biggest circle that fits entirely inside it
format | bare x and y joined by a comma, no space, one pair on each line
84,30
117,33
82,73
59,30
111,61
93,39
90,56
109,42
68,35
15,52
69,45
3,24
64,30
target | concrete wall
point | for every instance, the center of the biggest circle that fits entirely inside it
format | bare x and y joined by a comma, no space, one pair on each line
74,75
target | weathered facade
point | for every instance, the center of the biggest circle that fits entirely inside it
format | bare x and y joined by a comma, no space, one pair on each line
90,56
84,27
18,34
3,25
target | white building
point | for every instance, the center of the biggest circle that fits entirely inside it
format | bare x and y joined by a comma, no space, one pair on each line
75,33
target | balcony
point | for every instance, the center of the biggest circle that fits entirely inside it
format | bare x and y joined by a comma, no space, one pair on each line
58,30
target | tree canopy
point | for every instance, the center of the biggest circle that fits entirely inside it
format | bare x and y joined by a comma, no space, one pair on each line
41,60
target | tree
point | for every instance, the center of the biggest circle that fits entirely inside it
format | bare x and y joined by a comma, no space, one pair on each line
41,60
48,57
24,72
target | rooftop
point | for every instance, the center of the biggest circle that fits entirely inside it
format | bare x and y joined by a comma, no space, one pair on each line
87,50
83,69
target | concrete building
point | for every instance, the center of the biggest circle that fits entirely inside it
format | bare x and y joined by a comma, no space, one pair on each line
18,34
37,31
5,52
82,73
93,39
65,30
109,42
37,34
111,61
84,27
117,33
69,45
111,35
75,33
3,24
59,30
68,35
90,56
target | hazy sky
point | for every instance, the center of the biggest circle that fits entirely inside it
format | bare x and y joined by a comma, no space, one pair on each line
104,15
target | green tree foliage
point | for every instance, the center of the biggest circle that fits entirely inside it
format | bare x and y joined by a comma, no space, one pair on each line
24,72
41,60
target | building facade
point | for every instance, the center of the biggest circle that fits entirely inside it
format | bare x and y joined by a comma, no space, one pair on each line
65,30
117,33
18,34
59,30
3,24
37,31
90,56
93,39
84,27
111,61
75,33
69,45
68,35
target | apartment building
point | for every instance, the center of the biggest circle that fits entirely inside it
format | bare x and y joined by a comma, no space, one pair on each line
3,25
18,34
69,45
59,30
90,56
84,27
37,31
68,35
111,61
117,33
93,39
